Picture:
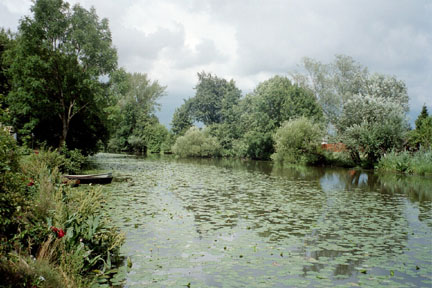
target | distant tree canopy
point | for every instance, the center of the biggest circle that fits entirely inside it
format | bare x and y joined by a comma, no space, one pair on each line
244,126
56,70
365,111
336,83
421,136
265,109
182,118
214,99
133,124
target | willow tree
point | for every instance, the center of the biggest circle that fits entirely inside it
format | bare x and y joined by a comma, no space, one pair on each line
61,55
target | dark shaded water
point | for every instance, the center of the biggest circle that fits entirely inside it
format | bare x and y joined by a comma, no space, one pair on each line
232,223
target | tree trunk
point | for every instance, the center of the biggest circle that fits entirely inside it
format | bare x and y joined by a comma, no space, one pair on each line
65,129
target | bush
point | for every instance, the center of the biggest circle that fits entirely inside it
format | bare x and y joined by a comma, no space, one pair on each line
13,192
371,126
65,228
196,143
259,145
69,161
155,135
298,141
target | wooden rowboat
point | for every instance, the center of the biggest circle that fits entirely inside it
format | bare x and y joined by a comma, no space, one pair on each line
105,178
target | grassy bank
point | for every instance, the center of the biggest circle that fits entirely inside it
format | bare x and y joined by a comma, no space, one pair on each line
419,162
52,235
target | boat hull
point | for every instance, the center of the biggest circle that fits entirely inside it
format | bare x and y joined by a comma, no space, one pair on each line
91,179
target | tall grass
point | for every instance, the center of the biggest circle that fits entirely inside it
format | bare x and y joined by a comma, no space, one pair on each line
419,162
38,254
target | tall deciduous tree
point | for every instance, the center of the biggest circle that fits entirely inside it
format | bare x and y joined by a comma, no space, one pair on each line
132,116
271,103
214,99
62,53
6,43
182,118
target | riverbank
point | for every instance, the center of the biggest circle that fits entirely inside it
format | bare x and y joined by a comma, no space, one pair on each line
52,235
419,162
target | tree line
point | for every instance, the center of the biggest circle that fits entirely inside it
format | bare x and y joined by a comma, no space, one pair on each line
60,84
287,118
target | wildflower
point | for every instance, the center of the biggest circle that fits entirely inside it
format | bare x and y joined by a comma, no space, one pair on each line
60,233
41,278
31,183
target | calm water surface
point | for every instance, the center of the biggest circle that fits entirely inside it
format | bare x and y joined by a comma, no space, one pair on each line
226,223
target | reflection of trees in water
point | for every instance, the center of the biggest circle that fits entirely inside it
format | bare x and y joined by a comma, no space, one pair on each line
370,213
418,188
346,216
358,226
273,207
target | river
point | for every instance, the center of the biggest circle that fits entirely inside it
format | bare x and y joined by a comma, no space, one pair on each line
234,223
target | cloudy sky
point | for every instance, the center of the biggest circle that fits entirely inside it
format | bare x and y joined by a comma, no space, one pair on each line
250,40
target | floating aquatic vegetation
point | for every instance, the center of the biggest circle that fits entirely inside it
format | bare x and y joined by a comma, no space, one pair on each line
213,223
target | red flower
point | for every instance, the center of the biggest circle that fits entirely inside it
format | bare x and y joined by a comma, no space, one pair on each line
31,183
60,233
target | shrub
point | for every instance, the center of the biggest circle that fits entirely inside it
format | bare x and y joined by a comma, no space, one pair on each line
65,228
196,143
69,161
371,126
13,190
259,145
298,141
74,161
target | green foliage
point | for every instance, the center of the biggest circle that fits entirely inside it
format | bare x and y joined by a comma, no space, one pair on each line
23,271
371,126
273,101
244,127
6,43
338,159
88,240
419,162
298,141
13,192
155,136
134,127
280,101
257,145
196,143
68,161
337,82
56,66
421,137
214,99
182,118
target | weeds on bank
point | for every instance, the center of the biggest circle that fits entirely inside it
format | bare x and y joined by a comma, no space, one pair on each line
419,162
52,235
